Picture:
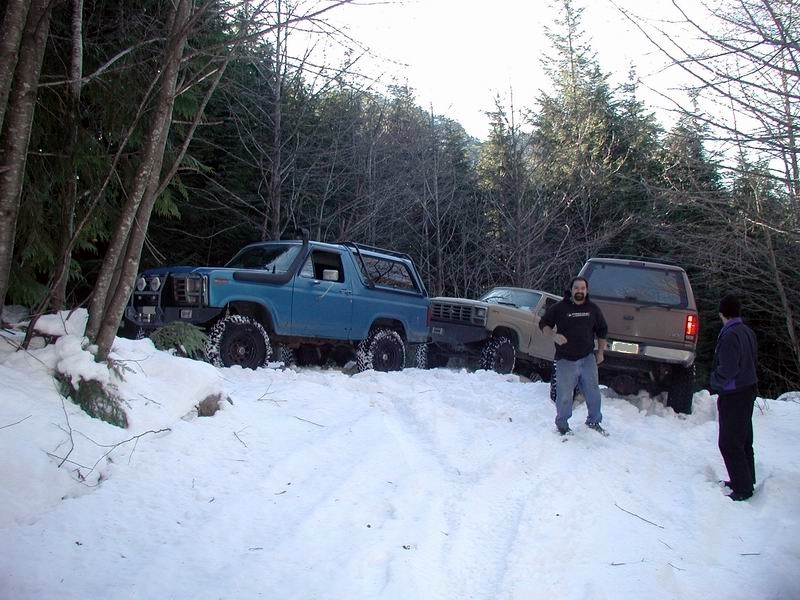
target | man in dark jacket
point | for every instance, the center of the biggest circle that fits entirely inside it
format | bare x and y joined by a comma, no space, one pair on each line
733,377
574,323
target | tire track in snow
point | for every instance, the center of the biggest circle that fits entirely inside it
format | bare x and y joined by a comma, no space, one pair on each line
487,480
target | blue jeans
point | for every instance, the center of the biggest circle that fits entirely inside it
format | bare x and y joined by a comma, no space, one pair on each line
581,373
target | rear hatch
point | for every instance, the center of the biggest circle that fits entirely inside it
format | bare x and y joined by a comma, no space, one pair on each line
649,307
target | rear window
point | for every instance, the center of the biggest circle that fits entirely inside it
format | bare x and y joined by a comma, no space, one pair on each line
645,285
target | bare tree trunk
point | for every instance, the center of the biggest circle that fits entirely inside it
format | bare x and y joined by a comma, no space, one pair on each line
786,304
274,212
16,131
122,259
69,200
272,216
12,27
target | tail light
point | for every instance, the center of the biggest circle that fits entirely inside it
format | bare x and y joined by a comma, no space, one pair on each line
691,328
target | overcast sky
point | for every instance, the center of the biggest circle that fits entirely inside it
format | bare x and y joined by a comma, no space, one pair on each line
459,54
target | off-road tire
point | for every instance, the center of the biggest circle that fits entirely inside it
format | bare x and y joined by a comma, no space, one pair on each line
680,390
416,356
430,357
382,350
238,340
498,355
287,356
421,356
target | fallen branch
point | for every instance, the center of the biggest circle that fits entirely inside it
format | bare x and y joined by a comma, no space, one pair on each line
638,517
264,395
69,433
111,448
307,421
620,564
236,435
15,422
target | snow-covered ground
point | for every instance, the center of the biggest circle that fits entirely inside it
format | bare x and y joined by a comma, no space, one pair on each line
315,484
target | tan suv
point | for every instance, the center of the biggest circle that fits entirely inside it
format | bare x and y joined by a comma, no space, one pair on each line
652,327
498,332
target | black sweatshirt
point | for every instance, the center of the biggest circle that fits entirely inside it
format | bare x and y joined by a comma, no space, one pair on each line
580,324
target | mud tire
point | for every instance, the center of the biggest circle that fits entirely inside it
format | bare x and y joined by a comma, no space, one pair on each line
238,340
680,390
383,350
498,355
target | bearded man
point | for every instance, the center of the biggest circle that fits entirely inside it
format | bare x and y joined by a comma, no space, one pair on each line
574,324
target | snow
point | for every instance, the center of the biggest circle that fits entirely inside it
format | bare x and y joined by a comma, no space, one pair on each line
315,484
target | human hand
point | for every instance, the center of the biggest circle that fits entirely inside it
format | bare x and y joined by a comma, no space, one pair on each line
559,339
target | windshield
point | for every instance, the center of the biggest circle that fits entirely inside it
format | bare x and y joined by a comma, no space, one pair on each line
275,258
520,298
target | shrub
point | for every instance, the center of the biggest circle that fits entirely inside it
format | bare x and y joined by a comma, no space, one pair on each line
95,399
184,338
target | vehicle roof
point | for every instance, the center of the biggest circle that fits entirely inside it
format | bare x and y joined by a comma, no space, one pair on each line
521,289
369,251
636,262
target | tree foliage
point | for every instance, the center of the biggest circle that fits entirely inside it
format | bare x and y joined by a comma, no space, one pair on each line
741,228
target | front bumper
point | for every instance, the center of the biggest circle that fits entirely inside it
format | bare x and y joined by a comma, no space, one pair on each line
457,335
149,318
177,297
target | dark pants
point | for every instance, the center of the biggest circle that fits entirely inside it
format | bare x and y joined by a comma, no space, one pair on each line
736,437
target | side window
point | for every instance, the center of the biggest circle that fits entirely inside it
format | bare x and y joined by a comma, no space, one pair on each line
319,262
387,273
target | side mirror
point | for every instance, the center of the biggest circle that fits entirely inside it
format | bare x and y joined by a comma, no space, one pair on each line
330,275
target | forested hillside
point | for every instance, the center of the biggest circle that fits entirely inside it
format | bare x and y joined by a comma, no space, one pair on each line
147,132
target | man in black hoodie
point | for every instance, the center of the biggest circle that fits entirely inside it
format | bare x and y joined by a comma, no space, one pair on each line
573,324
734,379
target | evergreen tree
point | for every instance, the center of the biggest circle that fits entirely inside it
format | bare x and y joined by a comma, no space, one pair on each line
576,148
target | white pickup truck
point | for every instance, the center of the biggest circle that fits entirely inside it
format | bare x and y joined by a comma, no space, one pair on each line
499,331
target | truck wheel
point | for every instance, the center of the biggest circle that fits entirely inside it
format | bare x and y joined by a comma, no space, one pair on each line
287,356
680,390
416,356
383,350
238,340
421,356
498,355
430,357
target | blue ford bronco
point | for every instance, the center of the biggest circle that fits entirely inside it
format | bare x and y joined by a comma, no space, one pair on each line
315,300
